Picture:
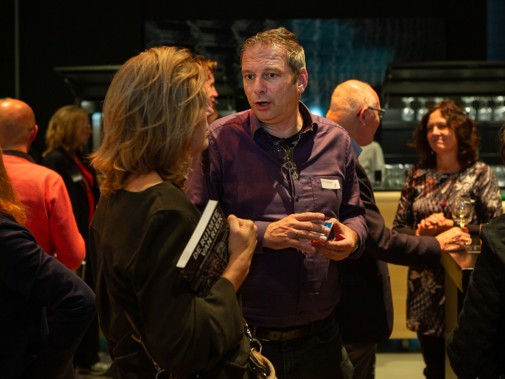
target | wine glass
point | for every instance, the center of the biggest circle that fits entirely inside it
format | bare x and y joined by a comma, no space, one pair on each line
499,108
469,108
485,112
462,211
408,112
422,108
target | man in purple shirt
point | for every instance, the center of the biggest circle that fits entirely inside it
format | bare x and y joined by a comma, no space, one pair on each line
288,170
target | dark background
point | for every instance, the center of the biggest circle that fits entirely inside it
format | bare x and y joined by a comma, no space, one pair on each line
36,37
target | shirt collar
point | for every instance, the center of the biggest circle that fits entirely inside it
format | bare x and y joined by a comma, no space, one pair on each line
357,148
307,117
18,153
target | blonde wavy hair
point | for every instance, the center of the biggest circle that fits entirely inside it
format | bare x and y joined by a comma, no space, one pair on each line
63,127
9,202
151,109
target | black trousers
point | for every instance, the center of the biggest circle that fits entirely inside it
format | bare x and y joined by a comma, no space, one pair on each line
87,352
362,356
433,350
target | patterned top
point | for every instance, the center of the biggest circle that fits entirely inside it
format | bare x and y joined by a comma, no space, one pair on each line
425,192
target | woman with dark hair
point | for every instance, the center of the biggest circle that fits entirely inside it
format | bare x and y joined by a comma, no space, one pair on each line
447,142
31,284
475,347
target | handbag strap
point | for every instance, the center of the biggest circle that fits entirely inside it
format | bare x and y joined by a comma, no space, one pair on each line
254,342
259,365
137,336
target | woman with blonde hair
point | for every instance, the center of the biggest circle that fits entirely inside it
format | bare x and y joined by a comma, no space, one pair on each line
154,123
67,134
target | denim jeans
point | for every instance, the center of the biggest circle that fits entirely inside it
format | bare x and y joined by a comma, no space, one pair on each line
320,355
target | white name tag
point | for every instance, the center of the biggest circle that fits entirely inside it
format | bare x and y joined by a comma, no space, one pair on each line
330,184
76,177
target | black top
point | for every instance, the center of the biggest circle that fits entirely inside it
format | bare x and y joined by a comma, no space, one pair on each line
476,346
136,239
61,162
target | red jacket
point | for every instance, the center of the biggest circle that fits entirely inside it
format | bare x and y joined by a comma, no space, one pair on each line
48,207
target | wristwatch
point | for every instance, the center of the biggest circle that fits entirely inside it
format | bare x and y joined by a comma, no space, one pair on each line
356,248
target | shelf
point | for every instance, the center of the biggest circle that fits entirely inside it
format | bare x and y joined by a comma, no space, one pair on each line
452,80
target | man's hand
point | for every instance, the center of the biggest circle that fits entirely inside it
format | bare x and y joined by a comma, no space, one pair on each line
454,239
343,244
296,231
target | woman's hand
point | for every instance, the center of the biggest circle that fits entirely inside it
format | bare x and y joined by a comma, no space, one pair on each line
434,224
241,244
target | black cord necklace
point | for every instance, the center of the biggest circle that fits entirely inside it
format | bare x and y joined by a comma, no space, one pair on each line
285,148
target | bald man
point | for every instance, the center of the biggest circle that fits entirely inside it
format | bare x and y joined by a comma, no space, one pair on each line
365,311
41,190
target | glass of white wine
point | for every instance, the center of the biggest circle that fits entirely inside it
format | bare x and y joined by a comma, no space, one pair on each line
462,211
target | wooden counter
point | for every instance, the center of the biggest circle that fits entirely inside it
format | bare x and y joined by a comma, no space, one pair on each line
458,268
387,201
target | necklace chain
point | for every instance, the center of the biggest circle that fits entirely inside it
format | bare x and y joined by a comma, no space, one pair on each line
286,148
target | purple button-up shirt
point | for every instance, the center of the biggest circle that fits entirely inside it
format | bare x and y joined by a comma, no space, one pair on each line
243,170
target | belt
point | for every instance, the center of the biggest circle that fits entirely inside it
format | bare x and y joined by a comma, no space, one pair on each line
293,333
290,334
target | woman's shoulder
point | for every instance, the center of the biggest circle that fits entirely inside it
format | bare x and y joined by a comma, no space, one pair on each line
160,198
9,224
480,166
57,155
418,170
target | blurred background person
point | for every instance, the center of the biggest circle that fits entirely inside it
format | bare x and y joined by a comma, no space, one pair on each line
372,160
41,190
365,310
67,137
31,284
144,221
447,142
475,347
210,87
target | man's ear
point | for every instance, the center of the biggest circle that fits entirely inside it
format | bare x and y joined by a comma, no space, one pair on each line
303,80
34,132
362,115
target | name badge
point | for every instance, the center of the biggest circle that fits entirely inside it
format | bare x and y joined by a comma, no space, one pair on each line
76,178
330,184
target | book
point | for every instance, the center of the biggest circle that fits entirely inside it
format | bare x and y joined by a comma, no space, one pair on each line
205,256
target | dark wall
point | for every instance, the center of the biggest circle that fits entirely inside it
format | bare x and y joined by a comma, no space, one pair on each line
55,33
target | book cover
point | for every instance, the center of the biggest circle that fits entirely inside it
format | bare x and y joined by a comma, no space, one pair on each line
206,254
